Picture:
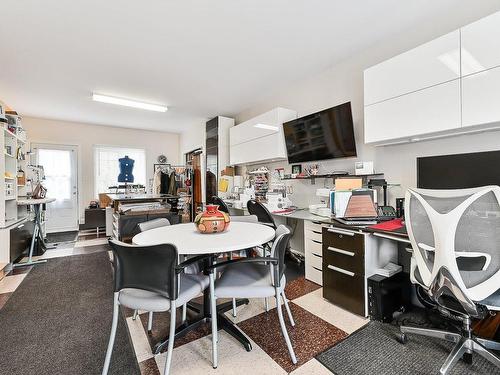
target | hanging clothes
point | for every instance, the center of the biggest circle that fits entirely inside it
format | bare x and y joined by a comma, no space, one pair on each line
164,183
157,182
172,184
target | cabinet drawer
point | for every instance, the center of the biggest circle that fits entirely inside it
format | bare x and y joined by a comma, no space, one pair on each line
314,274
346,259
315,246
344,240
314,259
313,235
314,225
343,288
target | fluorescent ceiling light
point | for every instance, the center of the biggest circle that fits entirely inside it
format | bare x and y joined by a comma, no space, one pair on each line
267,127
128,103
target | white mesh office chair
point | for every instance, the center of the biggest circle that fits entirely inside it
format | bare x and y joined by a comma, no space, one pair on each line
455,236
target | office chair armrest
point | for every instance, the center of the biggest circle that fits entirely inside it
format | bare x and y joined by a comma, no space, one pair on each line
180,267
243,260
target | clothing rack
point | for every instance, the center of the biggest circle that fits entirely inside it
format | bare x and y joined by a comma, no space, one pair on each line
171,166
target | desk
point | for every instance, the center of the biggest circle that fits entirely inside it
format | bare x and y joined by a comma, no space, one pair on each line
38,230
342,257
189,241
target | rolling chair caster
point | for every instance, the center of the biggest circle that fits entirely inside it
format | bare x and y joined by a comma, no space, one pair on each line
467,358
402,338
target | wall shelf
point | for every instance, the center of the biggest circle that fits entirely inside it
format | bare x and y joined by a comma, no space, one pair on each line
330,175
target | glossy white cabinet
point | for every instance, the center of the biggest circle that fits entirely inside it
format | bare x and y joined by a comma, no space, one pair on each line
481,98
481,44
434,109
260,138
313,249
430,64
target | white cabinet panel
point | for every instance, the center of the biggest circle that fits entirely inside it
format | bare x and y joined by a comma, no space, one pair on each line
481,98
265,148
430,64
260,126
426,111
481,44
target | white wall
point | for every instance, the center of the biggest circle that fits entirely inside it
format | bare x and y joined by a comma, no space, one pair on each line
85,136
344,82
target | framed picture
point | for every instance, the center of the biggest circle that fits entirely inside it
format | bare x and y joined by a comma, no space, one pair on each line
296,169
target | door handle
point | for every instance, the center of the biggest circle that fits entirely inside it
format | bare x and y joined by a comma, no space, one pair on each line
340,251
341,270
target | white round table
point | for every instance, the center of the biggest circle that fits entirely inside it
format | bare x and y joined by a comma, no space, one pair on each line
189,241
239,236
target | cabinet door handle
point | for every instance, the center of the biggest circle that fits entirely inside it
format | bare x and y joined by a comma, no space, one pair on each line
316,241
340,251
341,270
340,231
389,237
20,226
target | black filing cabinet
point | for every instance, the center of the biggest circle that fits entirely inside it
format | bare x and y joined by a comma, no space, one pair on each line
344,269
20,239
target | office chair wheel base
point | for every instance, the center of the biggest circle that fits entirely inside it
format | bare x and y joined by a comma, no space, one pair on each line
467,358
402,338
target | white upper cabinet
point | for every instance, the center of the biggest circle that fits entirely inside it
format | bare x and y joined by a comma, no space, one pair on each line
434,109
481,45
430,64
260,138
481,98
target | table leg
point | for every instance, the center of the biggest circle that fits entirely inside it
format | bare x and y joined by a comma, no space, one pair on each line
36,233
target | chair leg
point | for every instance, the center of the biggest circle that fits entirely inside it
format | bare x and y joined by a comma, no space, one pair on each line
171,338
234,307
184,313
287,307
111,342
283,327
448,336
266,304
488,344
150,321
213,313
136,312
458,351
483,352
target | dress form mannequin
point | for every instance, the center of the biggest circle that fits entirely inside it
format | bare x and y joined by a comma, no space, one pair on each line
126,168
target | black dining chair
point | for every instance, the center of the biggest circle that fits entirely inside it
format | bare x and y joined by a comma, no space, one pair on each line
262,213
150,278
219,202
258,277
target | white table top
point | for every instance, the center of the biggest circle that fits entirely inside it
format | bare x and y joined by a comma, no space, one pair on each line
189,241
27,202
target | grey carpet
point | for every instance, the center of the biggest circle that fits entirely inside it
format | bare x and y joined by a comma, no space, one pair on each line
374,350
58,321
59,237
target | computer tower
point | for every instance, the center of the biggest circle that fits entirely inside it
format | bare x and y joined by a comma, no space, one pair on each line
387,295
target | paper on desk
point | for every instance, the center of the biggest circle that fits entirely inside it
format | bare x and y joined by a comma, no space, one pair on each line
341,202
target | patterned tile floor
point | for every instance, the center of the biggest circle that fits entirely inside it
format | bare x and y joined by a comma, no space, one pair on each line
319,325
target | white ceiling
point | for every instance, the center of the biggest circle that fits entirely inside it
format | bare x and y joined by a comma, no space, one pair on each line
200,58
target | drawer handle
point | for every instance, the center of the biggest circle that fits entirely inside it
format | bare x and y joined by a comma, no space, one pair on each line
316,222
314,231
316,255
340,251
340,231
316,241
317,269
341,270
20,226
389,237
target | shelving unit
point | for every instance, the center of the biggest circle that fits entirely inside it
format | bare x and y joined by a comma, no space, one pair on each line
331,175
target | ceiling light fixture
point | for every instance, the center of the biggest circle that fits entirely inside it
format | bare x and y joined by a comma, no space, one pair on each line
267,127
128,103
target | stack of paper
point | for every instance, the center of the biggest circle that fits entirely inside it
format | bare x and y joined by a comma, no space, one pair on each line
389,270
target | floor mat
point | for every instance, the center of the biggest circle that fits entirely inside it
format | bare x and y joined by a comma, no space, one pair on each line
60,237
375,350
59,319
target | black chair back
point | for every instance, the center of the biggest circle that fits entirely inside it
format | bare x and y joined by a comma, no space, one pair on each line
280,245
150,268
262,213
219,202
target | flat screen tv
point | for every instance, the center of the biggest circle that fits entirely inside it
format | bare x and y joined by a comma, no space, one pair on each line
327,134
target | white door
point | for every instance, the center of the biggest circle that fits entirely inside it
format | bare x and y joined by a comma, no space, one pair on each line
60,166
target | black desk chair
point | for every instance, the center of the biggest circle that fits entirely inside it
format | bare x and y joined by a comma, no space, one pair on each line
219,202
150,278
